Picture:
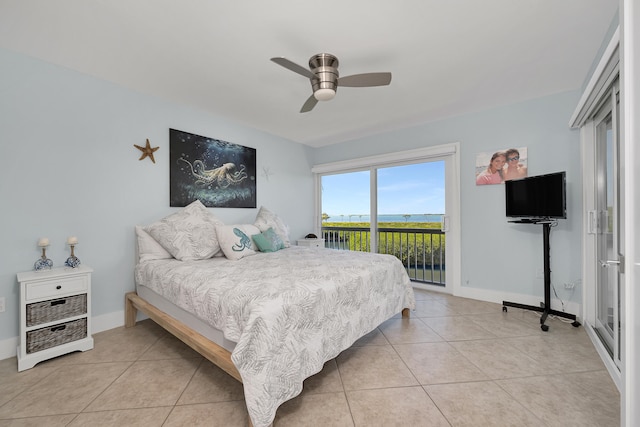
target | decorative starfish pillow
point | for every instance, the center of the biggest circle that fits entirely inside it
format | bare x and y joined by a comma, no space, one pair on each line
189,234
235,240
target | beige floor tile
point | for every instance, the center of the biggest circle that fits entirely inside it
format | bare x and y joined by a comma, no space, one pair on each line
116,345
146,384
147,417
585,399
67,390
13,382
211,384
560,353
312,410
437,363
599,385
420,294
532,318
141,374
326,381
403,331
432,308
433,295
169,347
48,421
407,406
469,306
504,325
221,414
374,337
499,359
456,328
480,404
373,367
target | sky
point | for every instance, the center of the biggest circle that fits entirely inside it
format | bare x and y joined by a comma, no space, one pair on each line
409,189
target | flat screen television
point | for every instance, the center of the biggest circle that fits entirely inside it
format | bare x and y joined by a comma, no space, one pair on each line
537,197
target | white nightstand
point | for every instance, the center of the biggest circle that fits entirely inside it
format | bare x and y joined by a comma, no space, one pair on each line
311,243
55,314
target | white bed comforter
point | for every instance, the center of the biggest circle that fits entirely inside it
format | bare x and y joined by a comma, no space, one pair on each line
288,311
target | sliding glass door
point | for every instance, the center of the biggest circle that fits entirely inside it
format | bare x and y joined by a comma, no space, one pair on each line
410,214
398,210
608,230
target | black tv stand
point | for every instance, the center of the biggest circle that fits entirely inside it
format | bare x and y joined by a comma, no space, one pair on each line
545,307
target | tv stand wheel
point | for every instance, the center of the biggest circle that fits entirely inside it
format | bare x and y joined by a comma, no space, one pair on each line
575,324
544,327
504,308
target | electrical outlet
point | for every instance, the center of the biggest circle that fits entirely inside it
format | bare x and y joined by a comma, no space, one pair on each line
569,285
1,304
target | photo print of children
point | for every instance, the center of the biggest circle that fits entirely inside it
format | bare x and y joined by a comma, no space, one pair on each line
500,166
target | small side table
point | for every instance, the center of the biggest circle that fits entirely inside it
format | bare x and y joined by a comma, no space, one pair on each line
55,314
311,243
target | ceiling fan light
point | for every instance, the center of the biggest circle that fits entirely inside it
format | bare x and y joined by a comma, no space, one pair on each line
324,94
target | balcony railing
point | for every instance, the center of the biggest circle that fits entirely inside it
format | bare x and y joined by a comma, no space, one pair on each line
421,250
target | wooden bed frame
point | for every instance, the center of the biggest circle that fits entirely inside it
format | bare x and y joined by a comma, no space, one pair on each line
216,354
211,351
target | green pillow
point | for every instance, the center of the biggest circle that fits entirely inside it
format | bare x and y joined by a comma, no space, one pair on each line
268,241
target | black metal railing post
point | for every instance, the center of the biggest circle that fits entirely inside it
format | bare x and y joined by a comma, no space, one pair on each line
428,248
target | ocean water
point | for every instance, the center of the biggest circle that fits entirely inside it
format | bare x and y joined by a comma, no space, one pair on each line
387,218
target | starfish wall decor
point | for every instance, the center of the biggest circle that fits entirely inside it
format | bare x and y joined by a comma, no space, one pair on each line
147,151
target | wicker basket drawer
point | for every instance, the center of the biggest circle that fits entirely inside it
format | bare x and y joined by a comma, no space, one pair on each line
56,309
41,339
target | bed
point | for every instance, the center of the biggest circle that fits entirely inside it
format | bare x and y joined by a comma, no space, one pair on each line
270,319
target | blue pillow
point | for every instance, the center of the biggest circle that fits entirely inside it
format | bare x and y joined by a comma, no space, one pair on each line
268,241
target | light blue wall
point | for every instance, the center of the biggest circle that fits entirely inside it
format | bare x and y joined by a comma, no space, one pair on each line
68,167
496,255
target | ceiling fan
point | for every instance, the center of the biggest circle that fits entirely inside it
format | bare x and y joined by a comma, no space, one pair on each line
324,77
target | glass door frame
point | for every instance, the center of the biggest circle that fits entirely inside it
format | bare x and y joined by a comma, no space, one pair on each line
596,92
607,230
447,152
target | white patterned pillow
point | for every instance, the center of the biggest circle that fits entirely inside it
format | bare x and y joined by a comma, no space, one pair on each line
235,240
189,234
148,248
267,219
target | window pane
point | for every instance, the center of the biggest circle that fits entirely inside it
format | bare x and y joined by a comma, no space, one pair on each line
345,197
411,202
411,193
345,210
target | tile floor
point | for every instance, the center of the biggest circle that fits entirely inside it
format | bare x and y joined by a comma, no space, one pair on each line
455,362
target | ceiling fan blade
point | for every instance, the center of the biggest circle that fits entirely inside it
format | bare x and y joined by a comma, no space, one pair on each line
365,80
284,62
309,104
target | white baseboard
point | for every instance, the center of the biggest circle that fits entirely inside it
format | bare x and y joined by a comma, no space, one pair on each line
499,297
107,321
8,348
104,322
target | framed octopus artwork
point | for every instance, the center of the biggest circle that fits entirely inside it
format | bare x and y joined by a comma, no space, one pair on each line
218,173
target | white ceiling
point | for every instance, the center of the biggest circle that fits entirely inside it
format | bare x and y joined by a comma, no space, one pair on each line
447,57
